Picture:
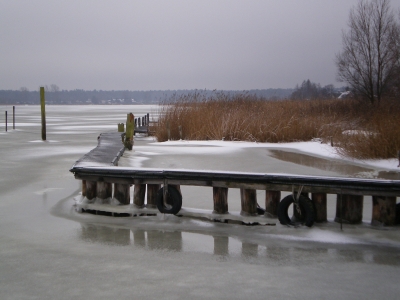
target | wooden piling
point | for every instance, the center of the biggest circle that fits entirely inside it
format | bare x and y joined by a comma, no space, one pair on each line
349,209
43,112
248,199
6,121
91,189
383,211
130,129
138,195
319,201
272,199
220,196
84,188
121,127
103,190
122,193
152,190
14,117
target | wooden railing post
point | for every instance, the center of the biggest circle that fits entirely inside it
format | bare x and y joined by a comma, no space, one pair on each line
220,197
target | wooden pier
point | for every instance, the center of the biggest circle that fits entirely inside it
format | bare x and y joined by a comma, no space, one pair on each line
142,124
105,180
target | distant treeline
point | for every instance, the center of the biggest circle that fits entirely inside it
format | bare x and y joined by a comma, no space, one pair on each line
81,97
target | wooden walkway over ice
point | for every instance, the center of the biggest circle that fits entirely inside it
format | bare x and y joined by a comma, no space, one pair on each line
102,179
142,124
107,153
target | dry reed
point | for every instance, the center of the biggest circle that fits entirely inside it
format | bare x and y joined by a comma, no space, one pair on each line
358,129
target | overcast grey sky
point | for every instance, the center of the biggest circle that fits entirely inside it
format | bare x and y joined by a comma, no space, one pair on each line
152,45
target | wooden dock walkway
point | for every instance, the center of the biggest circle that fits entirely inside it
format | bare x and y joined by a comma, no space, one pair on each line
163,191
142,124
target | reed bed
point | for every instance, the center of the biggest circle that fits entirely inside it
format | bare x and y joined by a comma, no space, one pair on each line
357,129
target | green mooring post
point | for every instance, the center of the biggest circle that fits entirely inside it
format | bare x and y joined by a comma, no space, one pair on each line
43,110
130,129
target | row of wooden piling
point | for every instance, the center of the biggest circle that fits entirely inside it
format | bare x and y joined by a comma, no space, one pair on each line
6,119
142,121
349,208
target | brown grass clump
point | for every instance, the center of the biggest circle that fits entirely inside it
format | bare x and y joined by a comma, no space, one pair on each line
360,130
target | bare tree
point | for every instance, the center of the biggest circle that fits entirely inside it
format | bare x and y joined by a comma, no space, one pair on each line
54,88
370,56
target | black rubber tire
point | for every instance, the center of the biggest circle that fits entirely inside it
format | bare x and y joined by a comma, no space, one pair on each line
306,207
174,197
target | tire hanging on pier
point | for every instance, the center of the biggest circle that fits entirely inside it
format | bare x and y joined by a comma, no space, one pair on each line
306,208
174,201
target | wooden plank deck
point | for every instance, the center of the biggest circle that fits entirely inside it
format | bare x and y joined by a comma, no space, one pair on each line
107,153
98,171
100,165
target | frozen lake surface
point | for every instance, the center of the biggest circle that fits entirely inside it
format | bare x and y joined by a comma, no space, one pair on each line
49,251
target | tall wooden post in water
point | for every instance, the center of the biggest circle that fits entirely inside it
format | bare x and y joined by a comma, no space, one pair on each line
130,129
43,111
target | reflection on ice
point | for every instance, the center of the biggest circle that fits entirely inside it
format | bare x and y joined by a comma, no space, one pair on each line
273,249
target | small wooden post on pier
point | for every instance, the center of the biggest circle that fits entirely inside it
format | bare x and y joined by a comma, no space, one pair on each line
43,113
